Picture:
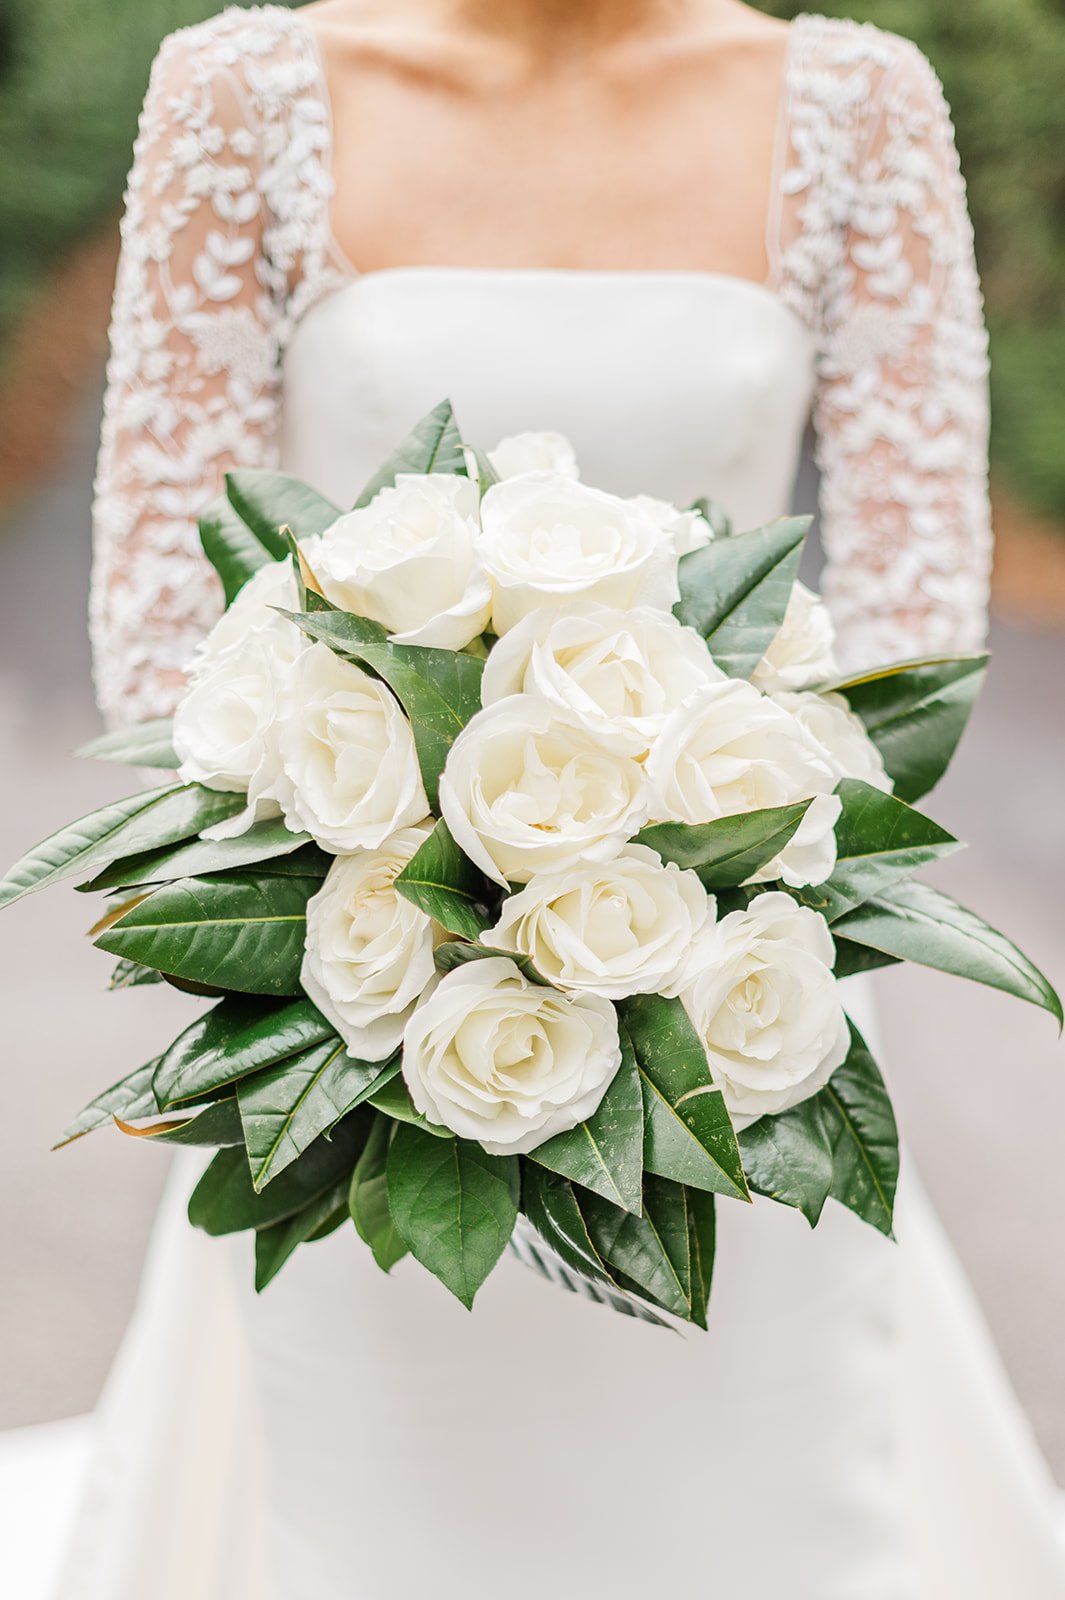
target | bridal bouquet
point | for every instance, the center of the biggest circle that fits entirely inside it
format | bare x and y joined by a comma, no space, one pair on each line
522,838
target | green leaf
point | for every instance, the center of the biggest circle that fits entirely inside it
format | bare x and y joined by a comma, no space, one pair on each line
605,1154
234,930
269,501
852,957
688,1135
650,1254
440,690
879,840
131,975
788,1157
130,1097
231,547
144,821
728,851
275,1244
453,1205
390,1095
914,922
237,1037
368,1198
863,1138
224,1200
735,591
193,858
284,1108
433,445
702,1229
445,884
148,744
218,1126
915,712
486,473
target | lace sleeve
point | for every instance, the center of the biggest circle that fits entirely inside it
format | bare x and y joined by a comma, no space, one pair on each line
901,412
222,211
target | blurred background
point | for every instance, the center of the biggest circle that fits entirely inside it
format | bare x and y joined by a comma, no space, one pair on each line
979,1079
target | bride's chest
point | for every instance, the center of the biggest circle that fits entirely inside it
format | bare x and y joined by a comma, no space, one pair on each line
673,383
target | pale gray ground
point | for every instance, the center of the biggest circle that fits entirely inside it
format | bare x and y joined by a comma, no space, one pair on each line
979,1079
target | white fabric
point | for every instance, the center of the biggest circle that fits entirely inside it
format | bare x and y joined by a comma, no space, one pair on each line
351,1437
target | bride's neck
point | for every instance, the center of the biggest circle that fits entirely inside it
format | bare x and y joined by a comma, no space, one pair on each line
550,25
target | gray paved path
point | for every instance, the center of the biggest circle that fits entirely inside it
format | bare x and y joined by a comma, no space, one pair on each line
979,1079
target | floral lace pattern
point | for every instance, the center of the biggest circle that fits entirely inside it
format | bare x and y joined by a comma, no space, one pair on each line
226,244
874,250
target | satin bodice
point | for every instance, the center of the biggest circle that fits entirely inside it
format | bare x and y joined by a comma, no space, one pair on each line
675,384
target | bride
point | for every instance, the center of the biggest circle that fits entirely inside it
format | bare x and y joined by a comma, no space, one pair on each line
672,230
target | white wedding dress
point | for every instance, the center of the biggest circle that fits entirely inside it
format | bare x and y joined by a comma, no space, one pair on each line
843,1431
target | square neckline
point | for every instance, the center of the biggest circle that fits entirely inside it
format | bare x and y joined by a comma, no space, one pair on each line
769,286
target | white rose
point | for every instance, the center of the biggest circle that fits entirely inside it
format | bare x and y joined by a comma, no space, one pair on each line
767,1008
410,560
521,453
729,750
628,926
684,530
226,723
548,540
526,789
507,1062
619,672
369,951
347,753
802,654
838,736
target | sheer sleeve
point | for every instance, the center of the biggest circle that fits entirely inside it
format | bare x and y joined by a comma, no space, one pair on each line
221,205
883,245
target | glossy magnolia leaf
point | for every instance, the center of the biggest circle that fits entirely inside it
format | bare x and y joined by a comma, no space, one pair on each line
193,858
789,1158
569,1259
605,1154
234,930
129,1098
368,1198
148,744
438,689
688,1135
914,922
862,1136
270,501
879,840
915,713
852,957
482,468
702,1231
390,1095
217,1127
445,884
239,1036
131,975
650,1255
231,547
284,1108
735,591
224,1200
144,821
454,1206
274,1245
727,852
433,445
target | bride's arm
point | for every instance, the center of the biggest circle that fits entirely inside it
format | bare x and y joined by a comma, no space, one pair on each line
193,375
901,413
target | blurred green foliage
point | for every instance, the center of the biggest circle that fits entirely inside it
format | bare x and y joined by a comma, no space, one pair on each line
1002,63
72,74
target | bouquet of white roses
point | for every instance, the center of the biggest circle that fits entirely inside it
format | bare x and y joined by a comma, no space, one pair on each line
522,836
